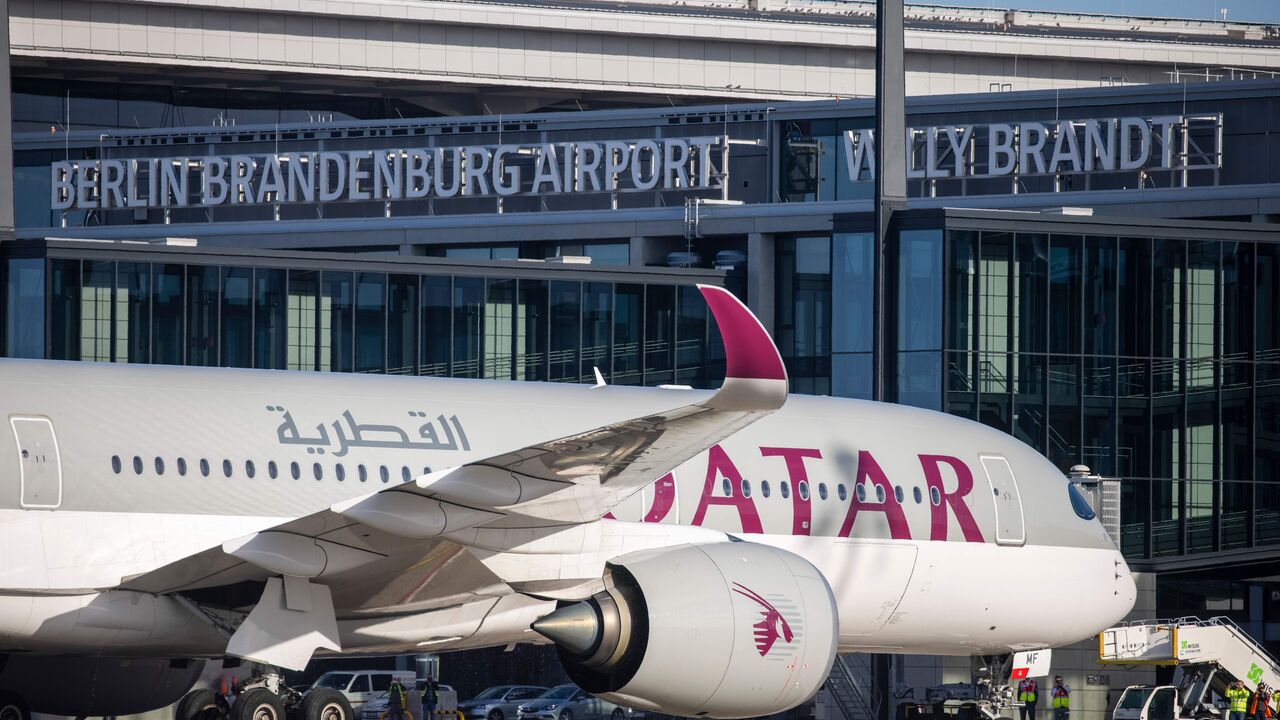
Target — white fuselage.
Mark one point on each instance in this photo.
(906, 512)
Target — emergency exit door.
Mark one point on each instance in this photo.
(1010, 527)
(39, 467)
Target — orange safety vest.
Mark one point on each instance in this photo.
(1266, 706)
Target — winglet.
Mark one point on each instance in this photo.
(755, 377)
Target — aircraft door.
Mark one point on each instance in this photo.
(39, 466)
(1010, 525)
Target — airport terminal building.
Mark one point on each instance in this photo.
(1095, 270)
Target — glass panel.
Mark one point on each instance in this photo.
(337, 303)
(1201, 470)
(1031, 306)
(402, 338)
(1236, 462)
(64, 309)
(1099, 296)
(920, 379)
(565, 319)
(133, 328)
(1030, 424)
(437, 325)
(1064, 412)
(1267, 301)
(691, 337)
(1134, 296)
(851, 375)
(962, 285)
(1098, 416)
(1064, 294)
(371, 322)
(1169, 291)
(1135, 514)
(628, 334)
(303, 312)
(608, 253)
(804, 296)
(270, 320)
(659, 330)
(597, 328)
(24, 308)
(920, 291)
(237, 317)
(995, 297)
(468, 320)
(1133, 445)
(500, 329)
(1267, 449)
(1237, 300)
(166, 314)
(202, 315)
(1202, 306)
(531, 363)
(852, 292)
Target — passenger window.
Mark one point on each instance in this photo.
(226, 468)
(272, 470)
(746, 488)
(137, 465)
(404, 473)
(915, 492)
(364, 475)
(386, 475)
(249, 469)
(340, 472)
(822, 490)
(726, 486)
(764, 488)
(802, 488)
(897, 494)
(317, 470)
(426, 471)
(204, 467)
(860, 491)
(785, 489)
(840, 492)
(935, 496)
(159, 466)
(182, 467)
(115, 464)
(880, 494)
(295, 470)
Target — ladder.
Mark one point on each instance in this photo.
(1188, 643)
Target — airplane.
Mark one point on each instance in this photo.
(690, 552)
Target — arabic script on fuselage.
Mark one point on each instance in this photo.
(439, 434)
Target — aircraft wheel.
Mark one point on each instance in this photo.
(199, 704)
(258, 704)
(12, 708)
(325, 704)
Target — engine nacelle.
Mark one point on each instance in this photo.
(723, 630)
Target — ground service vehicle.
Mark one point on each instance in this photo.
(446, 703)
(499, 702)
(361, 686)
(1208, 655)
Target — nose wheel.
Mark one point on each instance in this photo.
(13, 708)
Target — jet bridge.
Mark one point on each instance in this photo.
(1208, 655)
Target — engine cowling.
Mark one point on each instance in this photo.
(723, 630)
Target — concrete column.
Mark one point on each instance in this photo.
(6, 131)
(761, 251)
(648, 251)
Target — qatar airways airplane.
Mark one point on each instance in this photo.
(695, 553)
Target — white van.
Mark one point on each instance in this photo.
(361, 686)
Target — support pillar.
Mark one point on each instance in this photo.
(761, 256)
(890, 171)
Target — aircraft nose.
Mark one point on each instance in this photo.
(1125, 591)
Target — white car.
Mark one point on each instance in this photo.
(361, 686)
(569, 702)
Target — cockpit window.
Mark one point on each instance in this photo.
(1079, 504)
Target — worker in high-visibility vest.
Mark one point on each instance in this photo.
(1260, 705)
(1060, 698)
(1237, 701)
(1028, 699)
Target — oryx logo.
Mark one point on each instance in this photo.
(772, 624)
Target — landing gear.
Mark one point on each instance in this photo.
(199, 704)
(325, 704)
(264, 696)
(12, 708)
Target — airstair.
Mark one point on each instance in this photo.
(1208, 654)
(852, 687)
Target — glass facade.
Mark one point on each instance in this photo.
(1152, 359)
(191, 311)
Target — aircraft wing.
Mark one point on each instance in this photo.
(381, 550)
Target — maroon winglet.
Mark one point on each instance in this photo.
(748, 349)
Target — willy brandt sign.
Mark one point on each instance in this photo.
(386, 174)
(1125, 144)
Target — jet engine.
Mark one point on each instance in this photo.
(722, 630)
